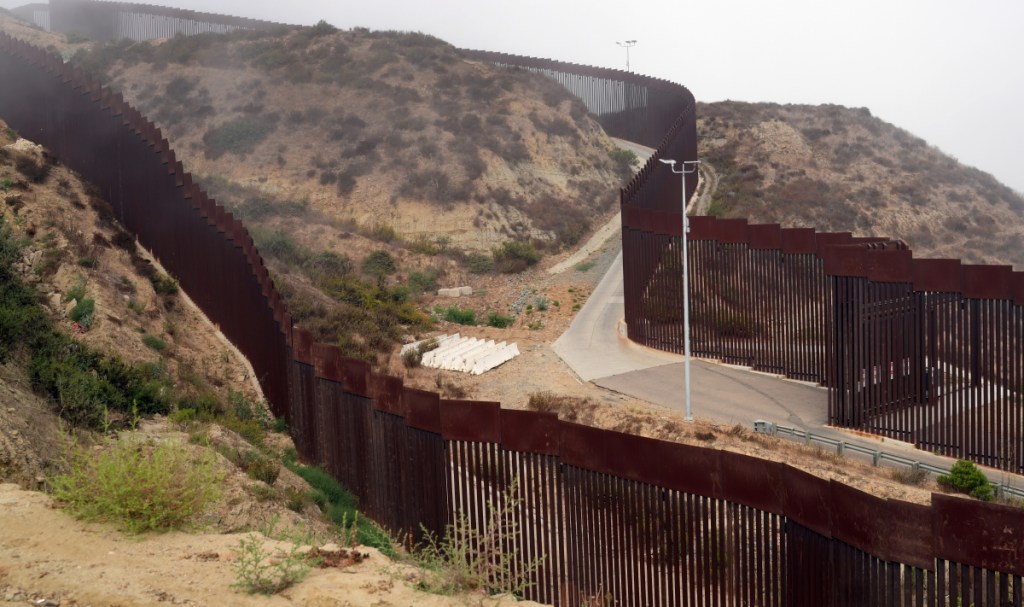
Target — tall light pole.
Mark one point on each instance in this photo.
(628, 44)
(689, 166)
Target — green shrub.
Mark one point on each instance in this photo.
(154, 342)
(83, 311)
(379, 264)
(423, 282)
(259, 467)
(163, 284)
(138, 486)
(239, 136)
(626, 162)
(460, 316)
(478, 263)
(499, 320)
(515, 256)
(966, 477)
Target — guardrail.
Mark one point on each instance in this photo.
(877, 455)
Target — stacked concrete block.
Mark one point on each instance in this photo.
(465, 354)
(455, 292)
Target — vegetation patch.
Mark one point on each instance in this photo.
(966, 477)
(239, 136)
(138, 486)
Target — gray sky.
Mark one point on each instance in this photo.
(949, 72)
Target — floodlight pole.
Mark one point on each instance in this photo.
(689, 166)
(628, 44)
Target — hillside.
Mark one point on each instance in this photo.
(104, 289)
(375, 128)
(842, 169)
(335, 145)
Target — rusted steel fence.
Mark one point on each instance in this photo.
(927, 351)
(612, 518)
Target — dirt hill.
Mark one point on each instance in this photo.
(842, 169)
(375, 128)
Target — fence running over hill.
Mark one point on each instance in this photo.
(110, 21)
(619, 518)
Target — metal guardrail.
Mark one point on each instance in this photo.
(877, 456)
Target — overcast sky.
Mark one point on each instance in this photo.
(949, 72)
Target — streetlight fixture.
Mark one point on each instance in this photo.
(689, 166)
(628, 44)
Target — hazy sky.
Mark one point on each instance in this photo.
(949, 72)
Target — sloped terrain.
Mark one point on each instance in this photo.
(100, 287)
(842, 169)
(377, 128)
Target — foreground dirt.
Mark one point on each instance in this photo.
(45, 555)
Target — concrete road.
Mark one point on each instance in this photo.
(597, 350)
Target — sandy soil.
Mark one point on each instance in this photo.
(45, 555)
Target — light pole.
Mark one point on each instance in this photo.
(689, 166)
(628, 44)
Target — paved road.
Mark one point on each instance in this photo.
(596, 348)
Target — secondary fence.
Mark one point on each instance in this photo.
(110, 21)
(617, 519)
(927, 351)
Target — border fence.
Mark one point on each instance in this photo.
(618, 519)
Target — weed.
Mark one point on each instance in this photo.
(568, 408)
(584, 266)
(542, 304)
(468, 558)
(259, 570)
(909, 476)
(137, 485)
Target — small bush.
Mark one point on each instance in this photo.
(154, 342)
(259, 570)
(909, 476)
(515, 256)
(478, 263)
(379, 264)
(138, 486)
(460, 316)
(966, 477)
(83, 311)
(239, 136)
(260, 468)
(499, 320)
